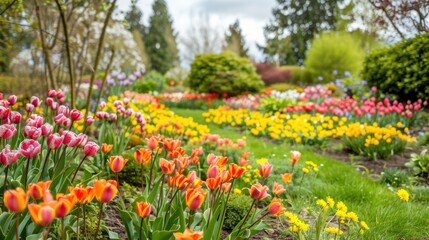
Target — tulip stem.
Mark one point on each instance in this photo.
(121, 198)
(257, 220)
(245, 218)
(141, 173)
(77, 223)
(151, 169)
(84, 221)
(191, 218)
(141, 226)
(5, 179)
(26, 174)
(17, 226)
(45, 233)
(168, 207)
(44, 164)
(161, 195)
(78, 167)
(62, 228)
(99, 221)
(224, 209)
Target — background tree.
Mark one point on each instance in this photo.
(234, 40)
(161, 40)
(300, 20)
(201, 37)
(134, 18)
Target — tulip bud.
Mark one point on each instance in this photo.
(29, 107)
(259, 192)
(117, 163)
(15, 200)
(35, 101)
(143, 209)
(49, 101)
(89, 120)
(76, 115)
(52, 93)
(60, 94)
(90, 149)
(106, 148)
(265, 170)
(12, 100)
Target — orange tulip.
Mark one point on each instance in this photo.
(43, 213)
(64, 204)
(195, 198)
(211, 159)
(213, 171)
(167, 167)
(257, 191)
(221, 161)
(84, 195)
(265, 170)
(171, 144)
(235, 170)
(276, 207)
(15, 200)
(182, 162)
(152, 143)
(106, 148)
(177, 152)
(287, 177)
(143, 209)
(226, 186)
(213, 183)
(243, 161)
(278, 188)
(295, 156)
(36, 191)
(117, 163)
(143, 156)
(226, 176)
(180, 181)
(245, 155)
(105, 190)
(188, 235)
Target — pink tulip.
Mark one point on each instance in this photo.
(15, 117)
(32, 132)
(61, 119)
(35, 101)
(8, 156)
(4, 112)
(49, 101)
(90, 148)
(60, 94)
(70, 139)
(52, 93)
(89, 120)
(12, 99)
(29, 148)
(82, 139)
(64, 110)
(35, 121)
(7, 131)
(76, 115)
(46, 129)
(54, 141)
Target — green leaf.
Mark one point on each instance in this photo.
(164, 234)
(128, 222)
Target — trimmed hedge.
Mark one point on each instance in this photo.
(401, 70)
(284, 74)
(223, 73)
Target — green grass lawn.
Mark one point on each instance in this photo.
(386, 215)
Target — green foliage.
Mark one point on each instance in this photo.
(402, 69)
(299, 75)
(21, 86)
(334, 51)
(419, 164)
(160, 39)
(234, 40)
(153, 81)
(281, 87)
(395, 177)
(236, 210)
(223, 73)
(272, 104)
(302, 19)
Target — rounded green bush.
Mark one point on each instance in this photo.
(334, 52)
(236, 210)
(401, 70)
(223, 73)
(152, 81)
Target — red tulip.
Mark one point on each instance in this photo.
(117, 163)
(15, 117)
(257, 191)
(76, 115)
(276, 207)
(143, 209)
(235, 170)
(265, 170)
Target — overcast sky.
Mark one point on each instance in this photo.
(253, 16)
